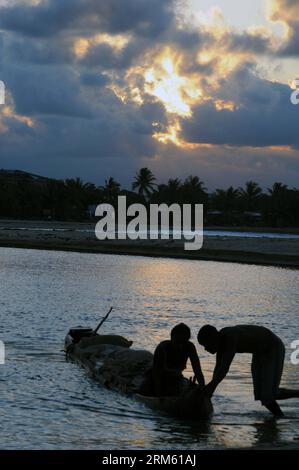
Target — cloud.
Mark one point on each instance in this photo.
(262, 114)
(92, 79)
(45, 19)
(247, 42)
(287, 12)
(45, 90)
(60, 128)
(89, 87)
(38, 51)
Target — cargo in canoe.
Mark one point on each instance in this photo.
(110, 360)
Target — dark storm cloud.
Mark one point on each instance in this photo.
(78, 119)
(143, 17)
(246, 42)
(105, 56)
(1, 50)
(287, 11)
(75, 114)
(186, 42)
(101, 55)
(41, 51)
(75, 117)
(124, 131)
(188, 39)
(93, 79)
(291, 49)
(45, 33)
(264, 115)
(45, 90)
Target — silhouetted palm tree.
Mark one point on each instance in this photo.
(279, 208)
(174, 185)
(226, 199)
(251, 195)
(110, 190)
(54, 198)
(77, 196)
(76, 184)
(193, 190)
(169, 193)
(278, 189)
(144, 182)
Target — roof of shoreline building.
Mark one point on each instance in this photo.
(14, 176)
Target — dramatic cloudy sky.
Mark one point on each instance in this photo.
(103, 87)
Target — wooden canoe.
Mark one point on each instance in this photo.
(111, 361)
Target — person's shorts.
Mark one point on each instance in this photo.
(266, 371)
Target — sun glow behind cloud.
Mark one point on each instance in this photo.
(82, 45)
(173, 76)
(175, 91)
(8, 112)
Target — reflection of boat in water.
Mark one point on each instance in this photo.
(109, 360)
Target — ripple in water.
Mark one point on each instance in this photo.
(49, 403)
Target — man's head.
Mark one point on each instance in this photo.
(180, 334)
(208, 337)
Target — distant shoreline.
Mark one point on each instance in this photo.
(69, 236)
(91, 224)
(204, 255)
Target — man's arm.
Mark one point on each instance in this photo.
(159, 366)
(193, 356)
(223, 363)
(159, 360)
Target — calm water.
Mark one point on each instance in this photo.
(48, 403)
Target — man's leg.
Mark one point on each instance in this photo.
(274, 408)
(266, 372)
(285, 394)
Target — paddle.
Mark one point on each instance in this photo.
(103, 320)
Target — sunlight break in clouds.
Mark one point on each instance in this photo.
(164, 81)
(82, 45)
(120, 84)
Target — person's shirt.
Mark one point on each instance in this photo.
(252, 339)
(172, 356)
(241, 339)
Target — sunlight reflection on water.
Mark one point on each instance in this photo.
(47, 402)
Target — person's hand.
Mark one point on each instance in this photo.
(192, 380)
(201, 387)
(209, 389)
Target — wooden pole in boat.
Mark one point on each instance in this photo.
(103, 319)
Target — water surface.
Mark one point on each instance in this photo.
(49, 403)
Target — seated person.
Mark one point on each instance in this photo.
(170, 359)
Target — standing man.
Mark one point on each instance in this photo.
(267, 351)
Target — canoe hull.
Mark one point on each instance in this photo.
(110, 361)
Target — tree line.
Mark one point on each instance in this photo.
(74, 199)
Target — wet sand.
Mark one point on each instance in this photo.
(77, 236)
